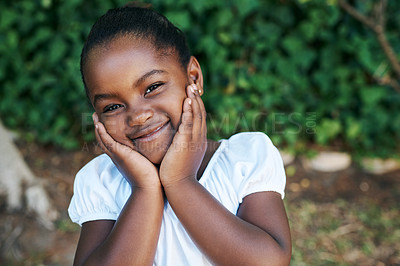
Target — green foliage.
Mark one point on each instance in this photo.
(301, 71)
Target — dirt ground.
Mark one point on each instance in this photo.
(24, 241)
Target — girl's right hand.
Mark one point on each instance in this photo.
(136, 168)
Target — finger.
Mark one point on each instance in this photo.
(98, 138)
(95, 122)
(203, 113)
(109, 143)
(197, 114)
(186, 126)
(95, 118)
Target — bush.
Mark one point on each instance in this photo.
(302, 71)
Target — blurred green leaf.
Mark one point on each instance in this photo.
(180, 19)
(327, 130)
(372, 95)
(7, 18)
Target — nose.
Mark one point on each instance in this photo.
(139, 117)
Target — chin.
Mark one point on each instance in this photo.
(155, 157)
(154, 151)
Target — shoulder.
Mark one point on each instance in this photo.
(256, 164)
(99, 191)
(98, 164)
(95, 171)
(250, 146)
(243, 136)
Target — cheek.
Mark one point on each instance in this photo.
(176, 110)
(115, 127)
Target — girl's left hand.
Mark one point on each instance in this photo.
(189, 145)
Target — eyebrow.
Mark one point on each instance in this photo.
(99, 97)
(149, 74)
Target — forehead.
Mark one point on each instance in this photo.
(124, 59)
(136, 49)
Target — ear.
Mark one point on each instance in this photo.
(195, 76)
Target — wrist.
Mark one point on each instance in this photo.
(148, 194)
(154, 188)
(147, 182)
(150, 189)
(167, 184)
(149, 197)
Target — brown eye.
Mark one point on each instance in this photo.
(153, 87)
(112, 107)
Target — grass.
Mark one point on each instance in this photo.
(344, 233)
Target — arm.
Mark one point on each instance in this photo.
(132, 239)
(259, 234)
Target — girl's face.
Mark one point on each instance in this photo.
(138, 93)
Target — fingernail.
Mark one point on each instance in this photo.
(95, 117)
(192, 88)
(190, 101)
(96, 126)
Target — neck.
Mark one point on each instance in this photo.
(212, 146)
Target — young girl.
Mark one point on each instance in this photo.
(162, 193)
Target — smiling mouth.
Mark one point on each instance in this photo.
(152, 134)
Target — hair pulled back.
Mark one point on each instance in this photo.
(138, 23)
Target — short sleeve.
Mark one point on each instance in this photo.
(259, 167)
(95, 192)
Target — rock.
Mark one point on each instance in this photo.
(379, 166)
(17, 180)
(328, 162)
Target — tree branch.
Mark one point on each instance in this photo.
(378, 27)
(388, 81)
(380, 13)
(357, 15)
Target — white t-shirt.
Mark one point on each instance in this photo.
(243, 164)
